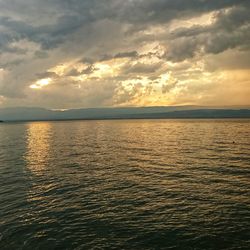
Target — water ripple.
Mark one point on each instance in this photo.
(148, 184)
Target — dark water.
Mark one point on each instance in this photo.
(146, 184)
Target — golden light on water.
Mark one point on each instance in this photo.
(38, 146)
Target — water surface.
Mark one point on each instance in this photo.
(130, 184)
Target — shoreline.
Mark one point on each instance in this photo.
(122, 119)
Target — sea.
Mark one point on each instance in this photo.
(125, 184)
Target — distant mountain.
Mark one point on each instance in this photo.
(34, 114)
(24, 113)
(200, 114)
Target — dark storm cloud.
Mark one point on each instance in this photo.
(87, 71)
(183, 48)
(162, 11)
(129, 54)
(70, 16)
(231, 29)
(75, 14)
(48, 36)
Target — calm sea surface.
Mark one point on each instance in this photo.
(130, 184)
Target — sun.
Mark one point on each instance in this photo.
(41, 83)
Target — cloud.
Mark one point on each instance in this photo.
(86, 71)
(129, 54)
(115, 52)
(141, 68)
(228, 60)
(47, 74)
(230, 29)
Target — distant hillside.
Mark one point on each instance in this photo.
(200, 113)
(23, 113)
(33, 114)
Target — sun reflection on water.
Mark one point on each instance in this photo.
(38, 146)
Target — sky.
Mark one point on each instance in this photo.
(62, 54)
